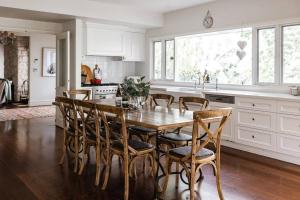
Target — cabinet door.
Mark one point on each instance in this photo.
(256, 119)
(256, 138)
(288, 145)
(135, 47)
(228, 130)
(105, 42)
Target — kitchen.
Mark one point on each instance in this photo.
(238, 58)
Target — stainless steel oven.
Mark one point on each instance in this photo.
(105, 91)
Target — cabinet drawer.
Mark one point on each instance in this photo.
(256, 138)
(256, 104)
(288, 107)
(256, 119)
(288, 145)
(289, 124)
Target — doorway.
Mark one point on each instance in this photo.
(14, 73)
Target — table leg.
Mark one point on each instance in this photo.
(156, 195)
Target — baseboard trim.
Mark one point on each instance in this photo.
(40, 103)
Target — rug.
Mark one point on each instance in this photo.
(27, 113)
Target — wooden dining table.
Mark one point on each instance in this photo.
(157, 118)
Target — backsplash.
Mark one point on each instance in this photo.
(113, 69)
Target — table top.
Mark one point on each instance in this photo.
(155, 117)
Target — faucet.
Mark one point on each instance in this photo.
(217, 86)
(206, 79)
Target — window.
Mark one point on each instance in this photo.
(266, 55)
(170, 59)
(216, 53)
(276, 57)
(157, 60)
(291, 54)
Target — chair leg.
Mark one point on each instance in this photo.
(166, 180)
(126, 179)
(107, 171)
(98, 160)
(218, 180)
(177, 175)
(76, 154)
(152, 163)
(84, 159)
(192, 181)
(64, 150)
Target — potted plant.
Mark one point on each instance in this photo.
(137, 91)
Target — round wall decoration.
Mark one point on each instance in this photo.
(208, 21)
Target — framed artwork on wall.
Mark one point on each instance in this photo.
(49, 62)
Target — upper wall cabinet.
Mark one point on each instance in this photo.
(134, 47)
(103, 40)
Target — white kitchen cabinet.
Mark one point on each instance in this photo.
(134, 47)
(256, 138)
(288, 145)
(289, 124)
(256, 119)
(256, 104)
(288, 107)
(104, 42)
(228, 130)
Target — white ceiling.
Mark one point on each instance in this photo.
(160, 6)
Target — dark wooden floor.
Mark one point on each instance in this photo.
(30, 150)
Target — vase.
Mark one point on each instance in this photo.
(137, 102)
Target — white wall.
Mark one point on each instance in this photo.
(1, 61)
(227, 14)
(42, 89)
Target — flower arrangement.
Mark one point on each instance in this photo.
(132, 88)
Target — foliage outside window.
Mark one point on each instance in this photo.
(291, 54)
(216, 53)
(266, 55)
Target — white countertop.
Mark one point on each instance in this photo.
(241, 93)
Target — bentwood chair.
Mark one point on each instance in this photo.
(179, 138)
(70, 128)
(92, 134)
(77, 94)
(193, 157)
(146, 134)
(127, 149)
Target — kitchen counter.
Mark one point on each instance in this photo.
(241, 93)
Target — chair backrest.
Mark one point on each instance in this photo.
(202, 119)
(78, 94)
(169, 99)
(67, 108)
(186, 102)
(88, 118)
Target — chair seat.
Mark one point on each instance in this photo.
(142, 130)
(135, 144)
(181, 152)
(181, 137)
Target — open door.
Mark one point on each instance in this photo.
(62, 69)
